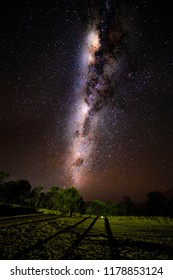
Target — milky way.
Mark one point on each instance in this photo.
(86, 95)
(102, 50)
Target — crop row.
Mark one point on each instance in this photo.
(88, 238)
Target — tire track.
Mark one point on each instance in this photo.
(22, 217)
(24, 252)
(70, 251)
(113, 244)
(27, 220)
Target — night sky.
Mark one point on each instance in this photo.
(86, 95)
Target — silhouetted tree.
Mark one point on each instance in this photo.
(54, 197)
(66, 201)
(15, 191)
(34, 197)
(97, 208)
(114, 209)
(157, 204)
(3, 175)
(127, 207)
(171, 207)
(72, 201)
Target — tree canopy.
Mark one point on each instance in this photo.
(68, 201)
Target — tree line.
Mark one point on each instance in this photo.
(68, 201)
(65, 200)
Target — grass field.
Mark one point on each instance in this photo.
(55, 237)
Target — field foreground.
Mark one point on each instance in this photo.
(52, 237)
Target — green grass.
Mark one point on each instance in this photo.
(47, 211)
(143, 237)
(135, 238)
